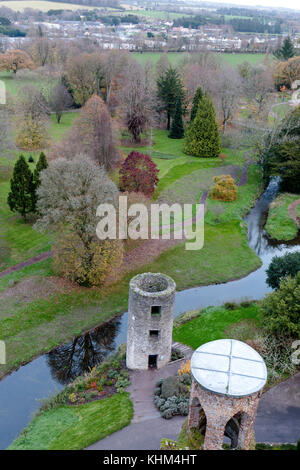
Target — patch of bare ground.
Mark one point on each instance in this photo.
(27, 290)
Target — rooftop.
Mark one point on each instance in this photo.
(229, 367)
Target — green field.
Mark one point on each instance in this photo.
(75, 427)
(234, 59)
(216, 323)
(31, 326)
(43, 5)
(280, 224)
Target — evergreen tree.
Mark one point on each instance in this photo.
(202, 136)
(41, 165)
(286, 51)
(177, 129)
(169, 87)
(197, 97)
(21, 197)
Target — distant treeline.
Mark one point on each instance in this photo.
(116, 20)
(7, 30)
(236, 11)
(255, 25)
(195, 21)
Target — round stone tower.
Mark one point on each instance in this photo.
(228, 378)
(150, 321)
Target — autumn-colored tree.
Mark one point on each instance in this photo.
(87, 265)
(224, 188)
(287, 72)
(85, 76)
(91, 134)
(68, 197)
(94, 129)
(31, 135)
(14, 60)
(31, 111)
(138, 173)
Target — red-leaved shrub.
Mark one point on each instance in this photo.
(138, 173)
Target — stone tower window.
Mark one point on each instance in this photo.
(155, 311)
(154, 333)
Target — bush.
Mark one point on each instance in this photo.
(281, 267)
(281, 309)
(224, 189)
(171, 396)
(138, 173)
(172, 386)
(88, 265)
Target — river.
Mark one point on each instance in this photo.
(21, 392)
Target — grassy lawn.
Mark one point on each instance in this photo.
(76, 427)
(30, 328)
(14, 84)
(35, 325)
(220, 212)
(280, 225)
(216, 323)
(233, 59)
(42, 5)
(58, 131)
(18, 240)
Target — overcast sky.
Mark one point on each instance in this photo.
(295, 4)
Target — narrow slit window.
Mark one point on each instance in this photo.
(155, 310)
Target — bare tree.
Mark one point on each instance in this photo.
(258, 83)
(60, 100)
(137, 98)
(228, 92)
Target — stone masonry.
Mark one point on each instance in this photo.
(219, 409)
(150, 320)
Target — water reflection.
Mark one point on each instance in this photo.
(84, 352)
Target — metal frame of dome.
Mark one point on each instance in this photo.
(229, 367)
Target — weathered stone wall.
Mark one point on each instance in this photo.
(219, 409)
(147, 290)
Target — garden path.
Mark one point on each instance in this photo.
(292, 211)
(278, 417)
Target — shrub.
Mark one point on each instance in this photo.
(32, 135)
(281, 309)
(281, 267)
(224, 189)
(172, 386)
(230, 305)
(138, 173)
(185, 368)
(88, 265)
